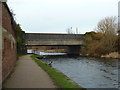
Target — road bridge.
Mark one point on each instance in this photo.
(73, 41)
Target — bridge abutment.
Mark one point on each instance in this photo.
(74, 50)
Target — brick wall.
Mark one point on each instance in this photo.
(9, 42)
(7, 21)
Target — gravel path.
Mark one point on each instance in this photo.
(27, 74)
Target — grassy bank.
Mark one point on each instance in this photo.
(112, 55)
(61, 80)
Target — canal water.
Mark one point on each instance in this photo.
(88, 72)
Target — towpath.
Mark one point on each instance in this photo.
(27, 74)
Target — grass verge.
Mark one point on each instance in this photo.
(61, 80)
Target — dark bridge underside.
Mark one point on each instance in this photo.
(53, 45)
(71, 49)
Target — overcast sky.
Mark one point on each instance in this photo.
(55, 16)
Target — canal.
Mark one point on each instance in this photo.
(88, 72)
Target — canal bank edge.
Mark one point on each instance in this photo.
(59, 78)
(113, 55)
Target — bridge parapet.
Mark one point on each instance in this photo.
(53, 36)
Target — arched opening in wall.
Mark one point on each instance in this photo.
(6, 47)
(7, 56)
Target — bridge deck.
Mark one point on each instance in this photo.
(53, 39)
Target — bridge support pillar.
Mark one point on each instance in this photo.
(74, 50)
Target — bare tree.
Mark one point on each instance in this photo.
(108, 27)
(69, 31)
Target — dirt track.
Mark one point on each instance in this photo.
(27, 74)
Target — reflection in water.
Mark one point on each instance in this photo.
(87, 72)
